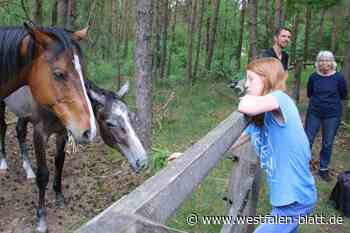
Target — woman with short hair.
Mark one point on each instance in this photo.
(326, 88)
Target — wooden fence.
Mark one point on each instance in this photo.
(148, 207)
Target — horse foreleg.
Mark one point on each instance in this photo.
(61, 140)
(21, 129)
(42, 176)
(3, 163)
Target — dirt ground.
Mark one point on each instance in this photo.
(91, 182)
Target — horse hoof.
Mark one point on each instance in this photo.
(28, 169)
(3, 166)
(30, 175)
(42, 227)
(60, 200)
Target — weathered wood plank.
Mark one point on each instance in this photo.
(161, 195)
(120, 223)
(243, 191)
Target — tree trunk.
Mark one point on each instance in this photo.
(253, 10)
(285, 13)
(92, 22)
(224, 37)
(199, 38)
(207, 37)
(38, 12)
(240, 37)
(320, 31)
(118, 41)
(126, 29)
(62, 13)
(192, 5)
(267, 23)
(114, 19)
(293, 48)
(156, 48)
(307, 32)
(173, 35)
(163, 54)
(347, 73)
(71, 17)
(278, 14)
(334, 34)
(143, 70)
(54, 13)
(213, 35)
(297, 79)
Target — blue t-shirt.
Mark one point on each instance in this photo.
(284, 152)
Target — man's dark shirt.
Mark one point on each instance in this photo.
(270, 52)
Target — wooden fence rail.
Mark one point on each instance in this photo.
(149, 206)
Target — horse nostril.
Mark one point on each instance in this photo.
(141, 164)
(138, 163)
(87, 134)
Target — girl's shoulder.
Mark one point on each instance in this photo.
(279, 94)
(282, 97)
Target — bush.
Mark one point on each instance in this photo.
(159, 159)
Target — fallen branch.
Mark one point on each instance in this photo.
(161, 111)
(110, 176)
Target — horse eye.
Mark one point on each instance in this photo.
(110, 124)
(58, 75)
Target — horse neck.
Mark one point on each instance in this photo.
(14, 63)
(8, 87)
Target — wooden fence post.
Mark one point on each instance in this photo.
(243, 190)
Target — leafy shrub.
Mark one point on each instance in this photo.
(159, 159)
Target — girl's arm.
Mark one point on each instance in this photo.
(254, 105)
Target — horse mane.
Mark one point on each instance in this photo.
(11, 61)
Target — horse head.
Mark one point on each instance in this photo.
(116, 130)
(238, 86)
(56, 80)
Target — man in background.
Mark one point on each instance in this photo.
(281, 40)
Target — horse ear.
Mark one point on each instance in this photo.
(80, 35)
(95, 96)
(123, 90)
(42, 38)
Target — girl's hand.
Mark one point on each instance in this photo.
(174, 156)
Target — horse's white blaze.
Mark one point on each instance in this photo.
(92, 116)
(135, 144)
(3, 164)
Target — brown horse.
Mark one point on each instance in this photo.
(48, 61)
(44, 59)
(113, 119)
